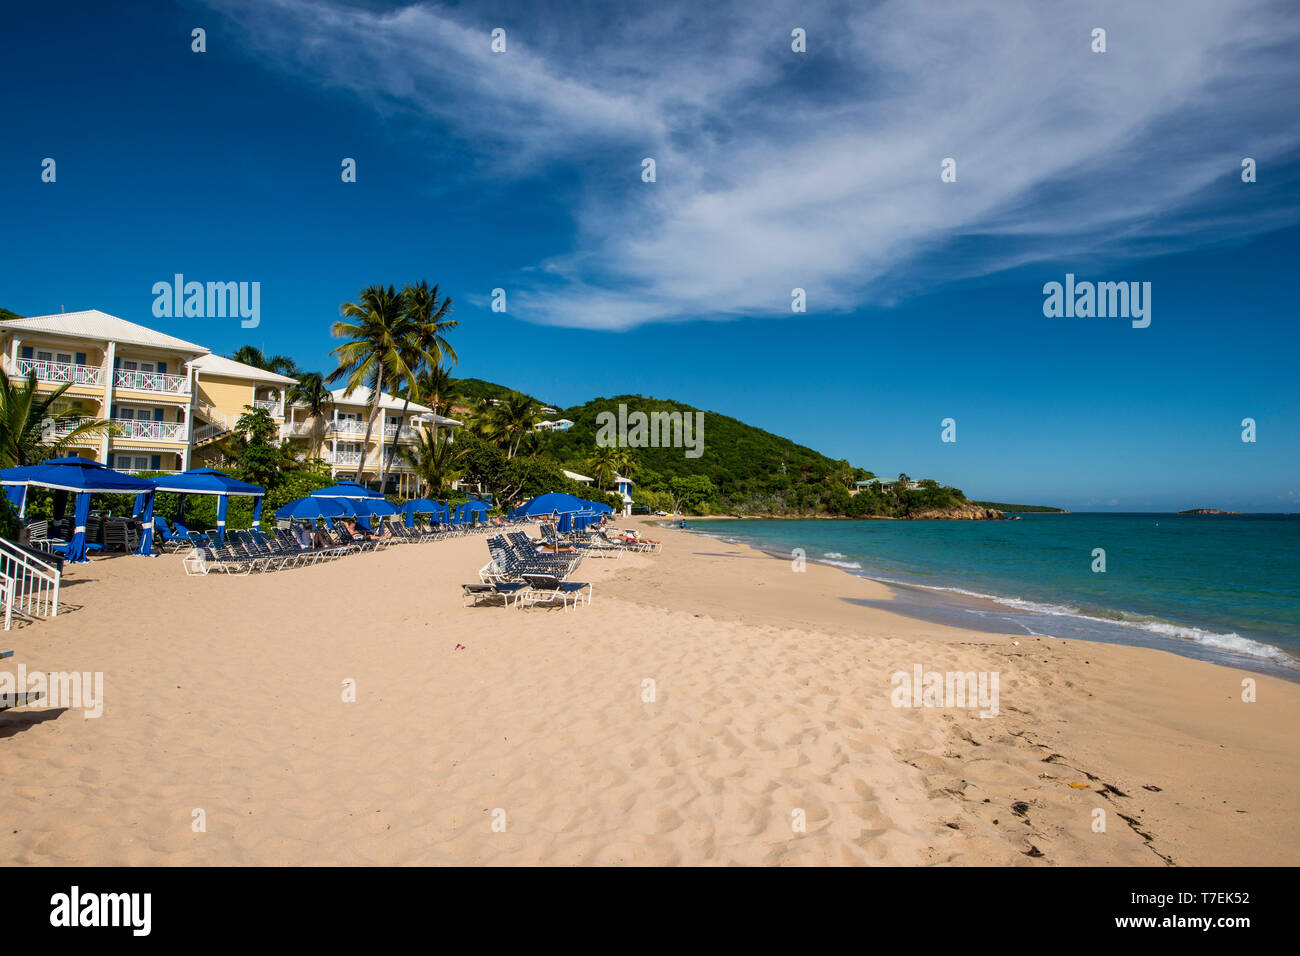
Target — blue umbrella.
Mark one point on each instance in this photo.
(368, 508)
(309, 509)
(552, 503)
(423, 506)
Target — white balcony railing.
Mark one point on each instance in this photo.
(150, 431)
(347, 426)
(65, 428)
(275, 408)
(60, 372)
(151, 381)
(343, 457)
(408, 433)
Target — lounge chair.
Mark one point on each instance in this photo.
(507, 591)
(547, 588)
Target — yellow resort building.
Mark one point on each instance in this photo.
(173, 400)
(342, 438)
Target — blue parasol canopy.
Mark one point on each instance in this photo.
(309, 509)
(552, 503)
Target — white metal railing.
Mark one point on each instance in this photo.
(347, 426)
(408, 433)
(151, 381)
(28, 585)
(344, 457)
(150, 431)
(66, 427)
(62, 372)
(204, 432)
(274, 408)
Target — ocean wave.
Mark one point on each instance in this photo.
(1229, 641)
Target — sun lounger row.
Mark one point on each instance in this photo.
(518, 576)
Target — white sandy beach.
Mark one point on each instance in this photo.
(772, 695)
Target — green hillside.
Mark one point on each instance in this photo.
(474, 390)
(743, 469)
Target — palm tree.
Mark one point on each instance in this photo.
(439, 391)
(425, 348)
(435, 462)
(376, 332)
(30, 423)
(514, 416)
(311, 393)
(483, 421)
(605, 464)
(252, 355)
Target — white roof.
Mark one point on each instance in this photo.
(361, 396)
(220, 365)
(577, 477)
(438, 419)
(618, 478)
(93, 324)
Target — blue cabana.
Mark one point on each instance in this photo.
(309, 509)
(208, 481)
(15, 482)
(84, 478)
(346, 489)
(554, 502)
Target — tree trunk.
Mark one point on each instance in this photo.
(375, 402)
(389, 451)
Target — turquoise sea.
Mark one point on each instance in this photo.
(1224, 588)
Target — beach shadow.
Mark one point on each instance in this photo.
(940, 610)
(12, 724)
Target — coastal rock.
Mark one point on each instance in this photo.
(966, 512)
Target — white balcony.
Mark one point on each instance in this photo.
(275, 408)
(150, 431)
(59, 372)
(65, 428)
(151, 381)
(343, 457)
(408, 433)
(347, 426)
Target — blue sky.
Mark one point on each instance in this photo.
(775, 170)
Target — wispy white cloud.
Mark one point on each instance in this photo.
(821, 170)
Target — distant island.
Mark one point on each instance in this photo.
(1209, 511)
